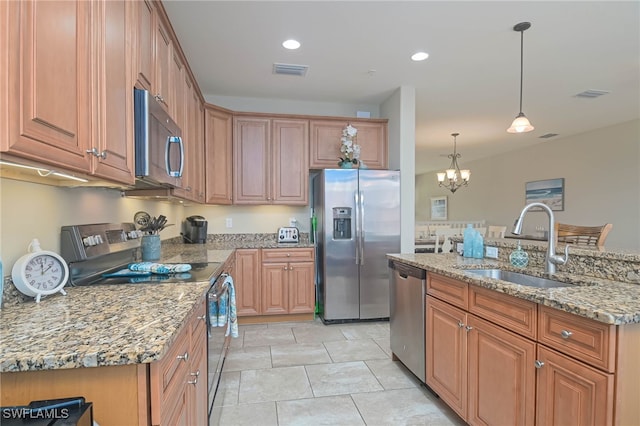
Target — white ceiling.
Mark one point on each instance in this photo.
(469, 84)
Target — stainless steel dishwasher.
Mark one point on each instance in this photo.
(407, 287)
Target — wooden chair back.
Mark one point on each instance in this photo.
(496, 231)
(582, 235)
(443, 243)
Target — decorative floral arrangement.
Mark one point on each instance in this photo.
(350, 149)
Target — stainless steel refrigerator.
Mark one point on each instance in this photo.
(358, 220)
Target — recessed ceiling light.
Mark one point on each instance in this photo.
(419, 56)
(291, 44)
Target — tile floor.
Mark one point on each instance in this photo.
(307, 373)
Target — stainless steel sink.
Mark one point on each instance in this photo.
(517, 278)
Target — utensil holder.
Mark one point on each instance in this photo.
(150, 247)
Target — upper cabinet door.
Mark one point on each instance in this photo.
(251, 160)
(144, 32)
(219, 155)
(50, 82)
(290, 150)
(113, 104)
(163, 60)
(326, 136)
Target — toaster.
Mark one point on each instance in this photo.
(288, 234)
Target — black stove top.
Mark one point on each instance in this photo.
(199, 272)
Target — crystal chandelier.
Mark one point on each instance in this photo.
(453, 178)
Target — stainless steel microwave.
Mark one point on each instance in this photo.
(159, 150)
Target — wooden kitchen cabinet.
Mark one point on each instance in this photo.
(156, 393)
(502, 377)
(527, 363)
(571, 392)
(49, 83)
(483, 372)
(70, 107)
(163, 63)
(446, 353)
(219, 155)
(326, 136)
(144, 44)
(270, 161)
(247, 282)
(113, 106)
(287, 281)
(178, 382)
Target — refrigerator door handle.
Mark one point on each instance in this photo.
(361, 239)
(357, 225)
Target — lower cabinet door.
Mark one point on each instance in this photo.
(302, 297)
(274, 288)
(446, 353)
(502, 375)
(572, 393)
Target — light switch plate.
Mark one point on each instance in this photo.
(491, 252)
(229, 222)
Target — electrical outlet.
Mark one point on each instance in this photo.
(293, 221)
(229, 222)
(491, 252)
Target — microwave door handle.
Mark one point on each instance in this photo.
(170, 140)
(181, 142)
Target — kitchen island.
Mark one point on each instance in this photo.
(503, 353)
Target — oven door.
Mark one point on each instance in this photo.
(218, 343)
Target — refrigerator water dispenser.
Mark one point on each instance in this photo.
(342, 223)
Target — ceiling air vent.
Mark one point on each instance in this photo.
(290, 69)
(548, 135)
(591, 93)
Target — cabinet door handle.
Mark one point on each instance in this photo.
(460, 324)
(184, 357)
(285, 268)
(565, 334)
(539, 364)
(203, 318)
(288, 254)
(468, 328)
(194, 381)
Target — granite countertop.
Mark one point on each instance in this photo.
(103, 325)
(97, 326)
(607, 301)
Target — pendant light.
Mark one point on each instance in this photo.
(521, 123)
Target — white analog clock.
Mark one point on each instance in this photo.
(40, 272)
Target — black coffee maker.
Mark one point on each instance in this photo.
(195, 230)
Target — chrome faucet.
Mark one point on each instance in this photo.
(552, 259)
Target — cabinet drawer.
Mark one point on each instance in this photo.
(168, 375)
(199, 322)
(587, 340)
(287, 255)
(448, 289)
(517, 315)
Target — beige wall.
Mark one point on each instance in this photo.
(602, 184)
(31, 210)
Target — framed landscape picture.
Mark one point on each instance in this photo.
(439, 208)
(549, 192)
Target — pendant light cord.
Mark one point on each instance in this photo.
(521, 65)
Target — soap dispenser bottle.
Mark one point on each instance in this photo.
(519, 258)
(467, 241)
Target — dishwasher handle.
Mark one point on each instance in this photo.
(406, 271)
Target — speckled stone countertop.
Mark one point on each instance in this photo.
(608, 301)
(97, 326)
